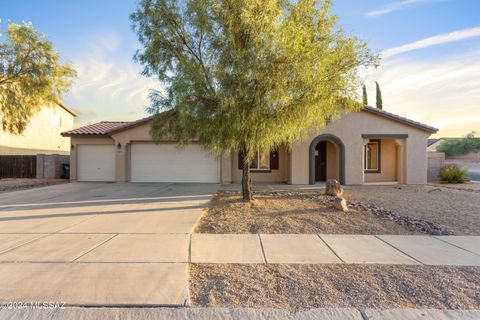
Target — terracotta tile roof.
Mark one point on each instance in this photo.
(131, 124)
(110, 127)
(100, 128)
(403, 120)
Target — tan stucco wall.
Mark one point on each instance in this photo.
(272, 176)
(76, 141)
(123, 141)
(41, 136)
(409, 165)
(349, 129)
(388, 163)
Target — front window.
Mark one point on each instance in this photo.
(372, 156)
(261, 161)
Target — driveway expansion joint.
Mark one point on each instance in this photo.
(95, 247)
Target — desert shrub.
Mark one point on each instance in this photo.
(452, 173)
(458, 146)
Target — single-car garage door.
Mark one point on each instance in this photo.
(96, 163)
(168, 163)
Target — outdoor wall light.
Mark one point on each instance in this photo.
(119, 146)
(72, 147)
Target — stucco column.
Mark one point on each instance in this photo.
(73, 162)
(399, 143)
(364, 145)
(121, 160)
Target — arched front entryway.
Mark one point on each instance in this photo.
(324, 150)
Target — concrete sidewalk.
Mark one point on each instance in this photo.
(313, 248)
(231, 314)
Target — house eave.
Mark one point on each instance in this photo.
(400, 119)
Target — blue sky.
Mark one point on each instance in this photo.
(430, 69)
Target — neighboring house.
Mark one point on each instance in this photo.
(42, 134)
(366, 146)
(434, 143)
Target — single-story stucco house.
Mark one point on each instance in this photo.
(366, 146)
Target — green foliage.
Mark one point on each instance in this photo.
(459, 146)
(246, 74)
(31, 76)
(364, 95)
(452, 174)
(378, 96)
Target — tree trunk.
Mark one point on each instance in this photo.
(246, 181)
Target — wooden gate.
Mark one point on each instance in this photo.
(18, 167)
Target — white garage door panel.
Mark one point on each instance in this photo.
(168, 163)
(96, 163)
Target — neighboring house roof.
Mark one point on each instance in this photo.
(100, 128)
(111, 127)
(432, 141)
(73, 113)
(397, 118)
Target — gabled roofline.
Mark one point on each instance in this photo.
(131, 125)
(400, 119)
(74, 132)
(73, 113)
(372, 110)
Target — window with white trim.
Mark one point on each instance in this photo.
(372, 156)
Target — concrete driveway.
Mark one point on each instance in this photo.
(99, 243)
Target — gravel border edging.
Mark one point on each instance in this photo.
(418, 224)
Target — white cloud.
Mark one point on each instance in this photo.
(397, 6)
(433, 41)
(444, 92)
(109, 84)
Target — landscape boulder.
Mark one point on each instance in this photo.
(341, 204)
(333, 188)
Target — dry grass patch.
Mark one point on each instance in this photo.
(301, 287)
(9, 185)
(290, 212)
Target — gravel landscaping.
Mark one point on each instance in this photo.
(297, 212)
(450, 206)
(301, 287)
(7, 185)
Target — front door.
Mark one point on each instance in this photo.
(321, 161)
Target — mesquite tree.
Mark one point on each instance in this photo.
(246, 75)
(31, 76)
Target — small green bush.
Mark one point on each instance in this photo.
(452, 173)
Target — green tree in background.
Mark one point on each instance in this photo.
(378, 96)
(364, 95)
(458, 146)
(246, 75)
(31, 76)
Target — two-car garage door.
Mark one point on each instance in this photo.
(149, 163)
(168, 163)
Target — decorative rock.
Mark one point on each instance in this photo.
(333, 188)
(341, 204)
